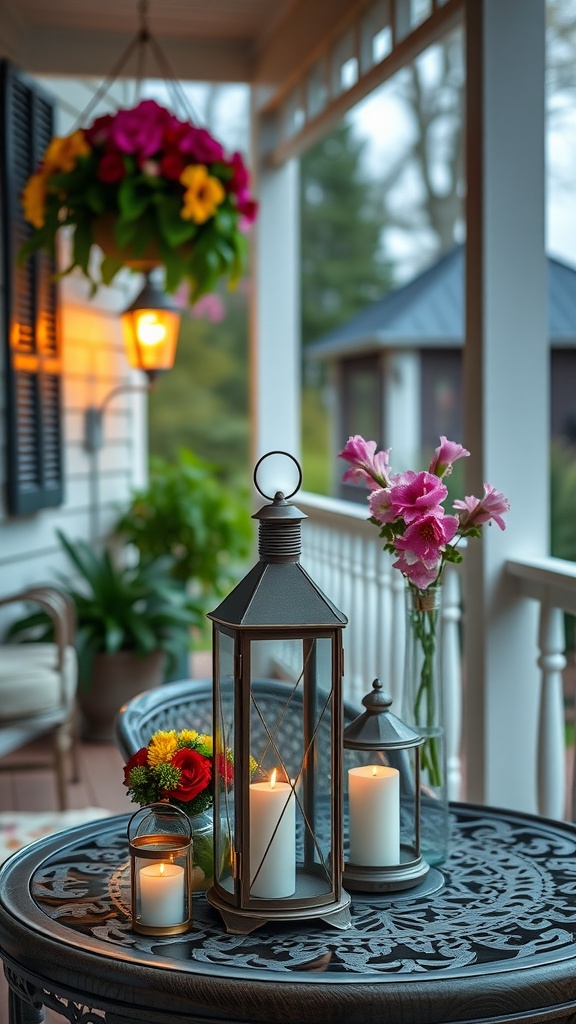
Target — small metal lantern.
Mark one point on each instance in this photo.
(160, 841)
(278, 707)
(383, 840)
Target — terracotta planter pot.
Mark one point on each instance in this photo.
(116, 678)
(103, 228)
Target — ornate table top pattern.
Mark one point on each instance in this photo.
(509, 895)
(497, 943)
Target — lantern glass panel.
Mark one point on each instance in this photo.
(294, 740)
(404, 761)
(224, 836)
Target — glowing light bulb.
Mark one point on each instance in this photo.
(150, 330)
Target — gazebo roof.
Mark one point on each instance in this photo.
(428, 312)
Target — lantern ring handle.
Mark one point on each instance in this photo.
(270, 497)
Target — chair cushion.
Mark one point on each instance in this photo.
(30, 679)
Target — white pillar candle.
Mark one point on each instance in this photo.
(374, 815)
(161, 895)
(272, 860)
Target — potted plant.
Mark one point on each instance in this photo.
(188, 512)
(149, 189)
(130, 620)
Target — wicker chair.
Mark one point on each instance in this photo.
(38, 688)
(188, 705)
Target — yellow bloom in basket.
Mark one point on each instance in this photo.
(34, 200)
(203, 193)
(63, 152)
(162, 747)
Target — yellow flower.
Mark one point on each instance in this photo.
(34, 200)
(207, 743)
(162, 747)
(203, 193)
(62, 153)
(187, 735)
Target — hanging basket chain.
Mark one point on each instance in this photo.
(138, 43)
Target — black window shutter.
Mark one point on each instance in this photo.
(33, 368)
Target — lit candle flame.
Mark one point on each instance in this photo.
(161, 869)
(273, 779)
(374, 770)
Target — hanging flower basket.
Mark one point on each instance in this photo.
(149, 190)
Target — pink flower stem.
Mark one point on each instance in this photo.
(423, 622)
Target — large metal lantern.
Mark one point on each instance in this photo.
(278, 711)
(383, 821)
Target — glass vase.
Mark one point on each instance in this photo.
(422, 708)
(202, 850)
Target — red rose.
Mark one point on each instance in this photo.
(196, 772)
(172, 165)
(111, 168)
(138, 760)
(225, 768)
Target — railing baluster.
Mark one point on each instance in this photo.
(551, 741)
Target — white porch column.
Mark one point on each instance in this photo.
(275, 334)
(506, 387)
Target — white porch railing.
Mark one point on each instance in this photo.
(343, 553)
(551, 582)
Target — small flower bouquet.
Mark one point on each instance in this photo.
(409, 511)
(408, 508)
(145, 186)
(178, 767)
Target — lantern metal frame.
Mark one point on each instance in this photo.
(277, 601)
(154, 847)
(378, 731)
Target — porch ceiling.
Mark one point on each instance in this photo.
(203, 39)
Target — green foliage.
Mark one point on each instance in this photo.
(341, 220)
(203, 404)
(563, 516)
(187, 511)
(122, 608)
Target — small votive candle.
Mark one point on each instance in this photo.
(162, 892)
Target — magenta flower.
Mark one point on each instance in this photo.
(476, 511)
(445, 455)
(413, 495)
(418, 572)
(199, 146)
(370, 466)
(427, 536)
(139, 132)
(240, 179)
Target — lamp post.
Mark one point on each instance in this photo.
(278, 816)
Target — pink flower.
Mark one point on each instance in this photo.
(413, 495)
(111, 168)
(420, 573)
(198, 144)
(140, 131)
(240, 179)
(370, 466)
(481, 510)
(447, 453)
(427, 536)
(248, 208)
(380, 501)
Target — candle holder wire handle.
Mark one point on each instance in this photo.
(160, 843)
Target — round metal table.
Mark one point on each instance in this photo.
(496, 943)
